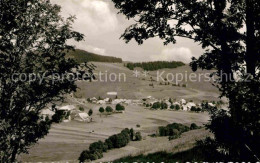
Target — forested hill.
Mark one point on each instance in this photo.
(83, 56)
(151, 66)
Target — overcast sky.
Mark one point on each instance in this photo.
(102, 26)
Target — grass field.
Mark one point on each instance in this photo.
(67, 140)
(191, 155)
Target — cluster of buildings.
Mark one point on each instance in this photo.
(184, 105)
(94, 100)
(71, 111)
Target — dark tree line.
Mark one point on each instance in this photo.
(152, 66)
(82, 56)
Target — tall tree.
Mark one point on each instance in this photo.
(228, 30)
(34, 70)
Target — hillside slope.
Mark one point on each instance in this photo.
(139, 87)
(82, 56)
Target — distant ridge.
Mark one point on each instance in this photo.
(156, 65)
(81, 56)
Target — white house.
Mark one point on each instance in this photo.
(211, 104)
(67, 110)
(118, 101)
(83, 117)
(47, 113)
(183, 102)
(149, 97)
(101, 102)
(176, 103)
(112, 93)
(93, 99)
(128, 102)
(106, 99)
(168, 104)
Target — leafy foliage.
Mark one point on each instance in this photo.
(173, 130)
(229, 31)
(96, 149)
(120, 107)
(101, 110)
(33, 42)
(109, 109)
(159, 105)
(90, 112)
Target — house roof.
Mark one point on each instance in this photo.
(67, 107)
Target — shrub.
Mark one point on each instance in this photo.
(172, 106)
(163, 131)
(164, 106)
(193, 126)
(58, 116)
(170, 100)
(156, 105)
(180, 127)
(88, 155)
(126, 134)
(98, 154)
(147, 105)
(101, 110)
(97, 146)
(90, 112)
(109, 109)
(115, 141)
(138, 125)
(120, 107)
(174, 133)
(195, 109)
(81, 108)
(174, 129)
(177, 107)
(132, 134)
(120, 141)
(138, 136)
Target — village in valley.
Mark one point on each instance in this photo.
(160, 117)
(77, 112)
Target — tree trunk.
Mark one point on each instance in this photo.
(14, 154)
(251, 53)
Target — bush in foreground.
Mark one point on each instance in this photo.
(174, 130)
(96, 149)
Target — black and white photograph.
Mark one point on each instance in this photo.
(129, 81)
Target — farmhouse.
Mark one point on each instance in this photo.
(93, 100)
(47, 113)
(101, 102)
(82, 117)
(66, 111)
(112, 93)
(183, 102)
(118, 101)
